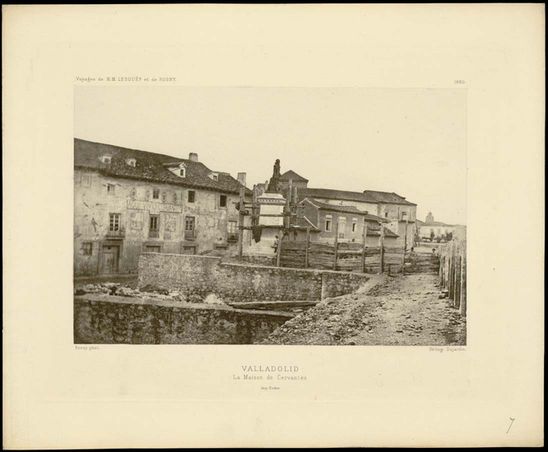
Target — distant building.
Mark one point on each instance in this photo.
(431, 230)
(128, 201)
(296, 180)
(398, 213)
(324, 220)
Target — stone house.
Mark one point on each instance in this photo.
(348, 222)
(398, 213)
(128, 201)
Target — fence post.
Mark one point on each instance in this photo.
(463, 285)
(279, 250)
(241, 222)
(364, 245)
(306, 250)
(336, 244)
(381, 242)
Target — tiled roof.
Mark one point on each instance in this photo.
(303, 222)
(292, 175)
(346, 209)
(374, 230)
(435, 223)
(343, 195)
(149, 166)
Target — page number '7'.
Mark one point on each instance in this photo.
(511, 422)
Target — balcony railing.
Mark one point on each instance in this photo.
(190, 235)
(121, 232)
(153, 234)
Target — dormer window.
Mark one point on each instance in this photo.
(214, 176)
(131, 162)
(106, 159)
(177, 168)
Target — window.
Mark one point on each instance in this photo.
(155, 193)
(354, 224)
(189, 228)
(232, 231)
(164, 196)
(87, 248)
(86, 180)
(110, 189)
(131, 162)
(222, 201)
(191, 196)
(214, 176)
(153, 226)
(182, 172)
(341, 227)
(328, 223)
(153, 222)
(114, 222)
(106, 159)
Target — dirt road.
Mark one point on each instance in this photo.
(401, 310)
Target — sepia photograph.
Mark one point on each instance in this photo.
(287, 216)
(280, 225)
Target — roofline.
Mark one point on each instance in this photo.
(315, 228)
(129, 149)
(103, 172)
(406, 203)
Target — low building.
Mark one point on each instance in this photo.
(437, 231)
(127, 201)
(346, 223)
(398, 213)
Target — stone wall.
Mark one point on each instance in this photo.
(241, 282)
(335, 284)
(200, 276)
(123, 320)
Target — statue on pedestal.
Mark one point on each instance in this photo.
(274, 183)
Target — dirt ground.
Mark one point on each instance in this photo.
(400, 310)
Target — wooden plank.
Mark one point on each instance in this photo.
(307, 248)
(364, 245)
(381, 246)
(241, 223)
(279, 249)
(336, 244)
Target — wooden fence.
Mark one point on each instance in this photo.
(349, 256)
(452, 273)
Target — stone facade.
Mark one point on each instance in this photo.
(135, 203)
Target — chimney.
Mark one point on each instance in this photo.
(193, 157)
(241, 178)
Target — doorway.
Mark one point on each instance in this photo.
(110, 257)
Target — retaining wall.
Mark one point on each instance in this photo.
(124, 320)
(200, 276)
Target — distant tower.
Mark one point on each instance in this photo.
(429, 218)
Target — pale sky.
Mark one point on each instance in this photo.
(408, 141)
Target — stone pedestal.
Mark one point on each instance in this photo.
(270, 204)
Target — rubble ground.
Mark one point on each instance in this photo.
(400, 310)
(150, 292)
